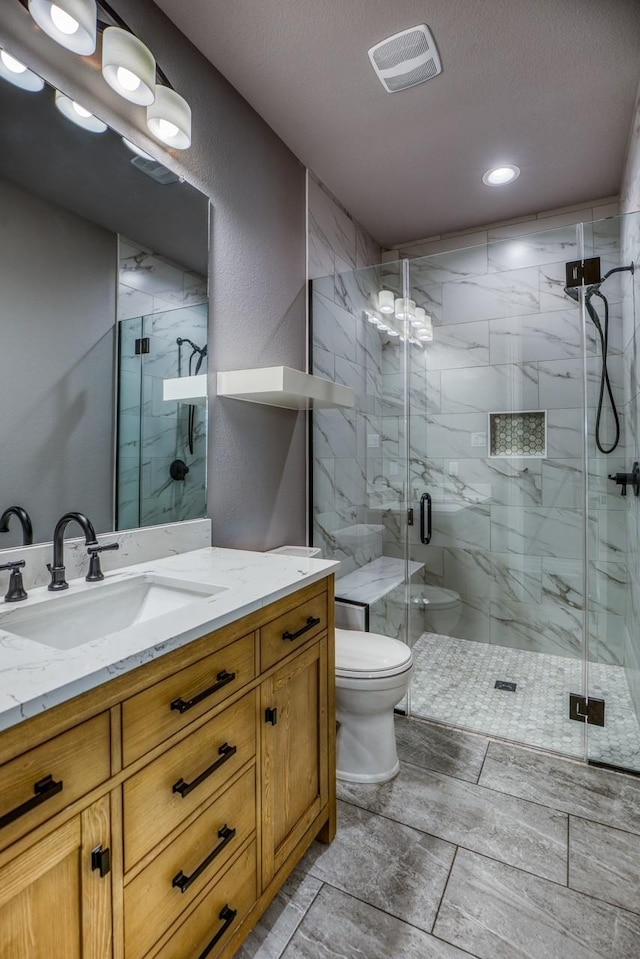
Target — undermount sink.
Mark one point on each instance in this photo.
(75, 619)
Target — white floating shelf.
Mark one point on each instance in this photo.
(284, 387)
(186, 389)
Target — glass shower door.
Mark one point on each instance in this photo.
(174, 434)
(162, 444)
(496, 482)
(358, 455)
(612, 449)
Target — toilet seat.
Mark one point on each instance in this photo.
(361, 655)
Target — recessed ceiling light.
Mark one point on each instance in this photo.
(501, 175)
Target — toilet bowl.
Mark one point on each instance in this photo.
(442, 609)
(373, 674)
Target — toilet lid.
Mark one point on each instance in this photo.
(439, 598)
(359, 654)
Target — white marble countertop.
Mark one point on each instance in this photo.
(34, 677)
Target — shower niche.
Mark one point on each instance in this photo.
(518, 434)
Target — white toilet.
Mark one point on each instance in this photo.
(373, 674)
(442, 609)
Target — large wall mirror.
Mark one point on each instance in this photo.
(103, 296)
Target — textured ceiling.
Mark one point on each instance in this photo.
(547, 84)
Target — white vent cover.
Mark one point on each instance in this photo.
(406, 59)
(155, 170)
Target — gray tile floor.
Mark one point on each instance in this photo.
(476, 849)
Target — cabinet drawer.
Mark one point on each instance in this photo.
(213, 922)
(286, 633)
(155, 714)
(38, 784)
(155, 898)
(161, 796)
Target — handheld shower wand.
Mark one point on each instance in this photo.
(603, 332)
(200, 352)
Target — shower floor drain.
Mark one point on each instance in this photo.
(503, 684)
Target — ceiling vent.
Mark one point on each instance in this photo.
(406, 59)
(155, 170)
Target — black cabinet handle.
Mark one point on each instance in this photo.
(223, 679)
(226, 752)
(44, 789)
(183, 882)
(425, 529)
(227, 915)
(271, 715)
(101, 860)
(311, 622)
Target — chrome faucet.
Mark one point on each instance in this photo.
(57, 569)
(23, 518)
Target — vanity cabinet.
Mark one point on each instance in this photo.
(192, 786)
(55, 898)
(294, 750)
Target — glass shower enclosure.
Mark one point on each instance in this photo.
(466, 496)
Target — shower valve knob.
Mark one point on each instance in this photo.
(628, 479)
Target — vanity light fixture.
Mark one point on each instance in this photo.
(128, 66)
(20, 76)
(169, 118)
(385, 301)
(71, 23)
(419, 318)
(404, 309)
(78, 114)
(501, 175)
(425, 335)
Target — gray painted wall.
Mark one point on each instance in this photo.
(56, 367)
(257, 461)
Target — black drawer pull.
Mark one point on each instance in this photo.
(226, 752)
(223, 679)
(311, 622)
(183, 882)
(44, 789)
(227, 915)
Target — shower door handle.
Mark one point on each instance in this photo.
(425, 522)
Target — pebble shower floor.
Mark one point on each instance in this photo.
(454, 682)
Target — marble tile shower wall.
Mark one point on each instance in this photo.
(149, 283)
(508, 532)
(161, 300)
(346, 450)
(337, 243)
(346, 456)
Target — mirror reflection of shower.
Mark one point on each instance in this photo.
(196, 351)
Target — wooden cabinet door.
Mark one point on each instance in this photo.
(53, 903)
(294, 754)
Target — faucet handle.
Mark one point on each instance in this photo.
(95, 574)
(16, 591)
